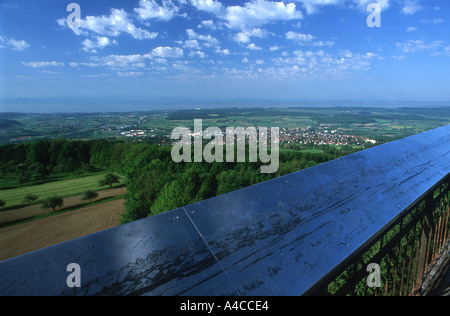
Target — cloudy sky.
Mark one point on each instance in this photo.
(126, 52)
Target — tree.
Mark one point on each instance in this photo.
(170, 197)
(110, 179)
(228, 181)
(30, 198)
(38, 153)
(2, 203)
(53, 202)
(89, 195)
(143, 190)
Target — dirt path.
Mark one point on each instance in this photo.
(26, 237)
(34, 210)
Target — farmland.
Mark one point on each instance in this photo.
(20, 239)
(372, 121)
(64, 188)
(35, 211)
(29, 228)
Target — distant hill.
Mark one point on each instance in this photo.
(5, 123)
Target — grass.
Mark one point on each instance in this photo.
(63, 188)
(9, 180)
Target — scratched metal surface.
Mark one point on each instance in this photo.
(275, 238)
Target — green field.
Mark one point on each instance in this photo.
(63, 188)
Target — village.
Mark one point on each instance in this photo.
(313, 136)
(304, 136)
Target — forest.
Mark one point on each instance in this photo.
(155, 183)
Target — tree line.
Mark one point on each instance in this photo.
(34, 162)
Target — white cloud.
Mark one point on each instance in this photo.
(17, 45)
(208, 24)
(150, 9)
(158, 61)
(224, 51)
(191, 44)
(447, 51)
(245, 60)
(370, 55)
(41, 64)
(13, 44)
(252, 46)
(259, 12)
(311, 6)
(197, 53)
(167, 52)
(48, 72)
(274, 48)
(319, 64)
(245, 36)
(322, 43)
(362, 4)
(100, 42)
(411, 7)
(130, 74)
(211, 6)
(207, 39)
(241, 38)
(119, 61)
(255, 13)
(413, 46)
(300, 37)
(411, 29)
(307, 39)
(116, 23)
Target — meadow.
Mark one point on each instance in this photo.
(63, 188)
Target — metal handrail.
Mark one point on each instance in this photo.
(405, 250)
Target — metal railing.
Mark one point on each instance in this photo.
(408, 252)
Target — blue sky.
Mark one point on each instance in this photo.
(123, 54)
